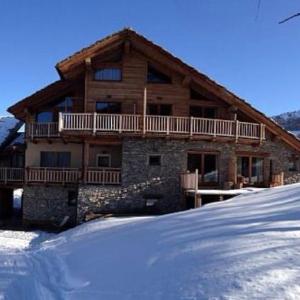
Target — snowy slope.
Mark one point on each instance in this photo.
(6, 125)
(290, 121)
(244, 248)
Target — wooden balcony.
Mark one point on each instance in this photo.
(167, 125)
(11, 175)
(103, 176)
(42, 130)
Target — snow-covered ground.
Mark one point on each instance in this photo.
(244, 248)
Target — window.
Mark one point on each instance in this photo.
(159, 109)
(155, 76)
(207, 165)
(108, 107)
(109, 74)
(65, 105)
(203, 112)
(72, 198)
(251, 168)
(292, 165)
(55, 159)
(103, 160)
(154, 160)
(44, 117)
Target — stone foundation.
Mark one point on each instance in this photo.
(157, 188)
(44, 205)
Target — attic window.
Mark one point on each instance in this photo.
(196, 95)
(108, 74)
(155, 76)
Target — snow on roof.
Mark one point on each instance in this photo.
(7, 124)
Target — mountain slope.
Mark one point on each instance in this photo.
(290, 121)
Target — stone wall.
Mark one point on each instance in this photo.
(157, 188)
(49, 205)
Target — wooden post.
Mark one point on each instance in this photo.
(60, 122)
(88, 69)
(191, 125)
(196, 186)
(94, 122)
(261, 132)
(144, 110)
(236, 130)
(85, 160)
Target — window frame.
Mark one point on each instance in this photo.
(159, 105)
(106, 155)
(249, 177)
(56, 153)
(201, 170)
(108, 68)
(109, 102)
(167, 76)
(156, 156)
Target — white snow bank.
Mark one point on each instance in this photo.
(244, 248)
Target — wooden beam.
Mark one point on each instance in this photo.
(88, 71)
(85, 160)
(144, 110)
(186, 81)
(127, 47)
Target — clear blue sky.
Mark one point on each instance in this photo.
(250, 54)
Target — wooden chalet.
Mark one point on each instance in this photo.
(129, 127)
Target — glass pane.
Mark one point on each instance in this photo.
(155, 76)
(103, 161)
(63, 159)
(114, 74)
(152, 109)
(65, 105)
(44, 117)
(243, 167)
(209, 113)
(257, 170)
(108, 107)
(196, 111)
(194, 162)
(166, 109)
(154, 160)
(210, 168)
(55, 159)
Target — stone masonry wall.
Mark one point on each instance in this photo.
(48, 205)
(160, 185)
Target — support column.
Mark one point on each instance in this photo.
(232, 169)
(144, 110)
(88, 75)
(85, 160)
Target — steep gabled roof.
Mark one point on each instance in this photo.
(55, 88)
(163, 56)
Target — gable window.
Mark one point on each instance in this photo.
(65, 105)
(159, 109)
(108, 107)
(44, 117)
(103, 160)
(251, 168)
(203, 112)
(108, 74)
(155, 76)
(154, 160)
(207, 165)
(51, 159)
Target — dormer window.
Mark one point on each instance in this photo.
(108, 74)
(155, 76)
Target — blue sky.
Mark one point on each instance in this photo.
(249, 53)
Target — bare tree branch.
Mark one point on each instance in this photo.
(289, 18)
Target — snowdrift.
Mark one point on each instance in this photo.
(244, 248)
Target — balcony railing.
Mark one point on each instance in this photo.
(9, 175)
(42, 130)
(118, 123)
(105, 176)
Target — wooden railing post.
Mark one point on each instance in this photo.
(261, 132)
(191, 125)
(236, 130)
(215, 128)
(60, 122)
(94, 122)
(168, 125)
(120, 123)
